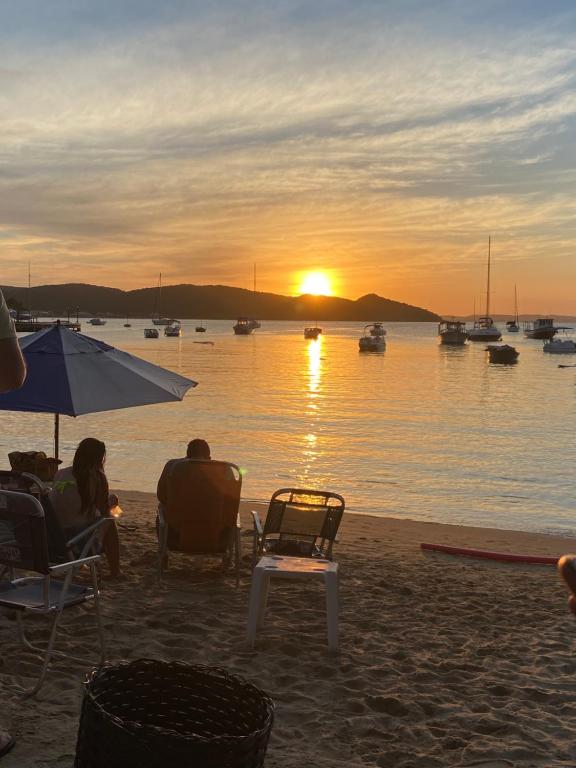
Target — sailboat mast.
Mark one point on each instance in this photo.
(254, 283)
(515, 305)
(29, 291)
(488, 282)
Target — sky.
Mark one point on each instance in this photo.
(380, 141)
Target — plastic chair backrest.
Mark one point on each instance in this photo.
(298, 513)
(203, 503)
(23, 542)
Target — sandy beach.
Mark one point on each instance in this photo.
(443, 661)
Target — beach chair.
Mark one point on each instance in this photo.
(46, 589)
(299, 523)
(60, 549)
(201, 516)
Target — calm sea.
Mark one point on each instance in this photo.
(422, 431)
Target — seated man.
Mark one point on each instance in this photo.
(197, 449)
(198, 498)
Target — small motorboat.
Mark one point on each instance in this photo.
(560, 347)
(452, 332)
(200, 328)
(312, 332)
(373, 339)
(245, 325)
(502, 353)
(151, 333)
(97, 321)
(127, 325)
(174, 329)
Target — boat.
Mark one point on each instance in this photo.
(151, 333)
(157, 318)
(512, 326)
(502, 353)
(484, 328)
(543, 328)
(452, 332)
(200, 328)
(484, 554)
(97, 321)
(127, 325)
(560, 347)
(174, 329)
(373, 339)
(312, 332)
(245, 325)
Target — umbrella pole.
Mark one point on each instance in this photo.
(56, 434)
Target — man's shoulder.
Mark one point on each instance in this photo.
(171, 463)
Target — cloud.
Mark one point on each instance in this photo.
(206, 138)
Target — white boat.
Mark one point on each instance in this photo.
(452, 332)
(484, 328)
(512, 326)
(560, 347)
(174, 329)
(151, 333)
(374, 338)
(97, 321)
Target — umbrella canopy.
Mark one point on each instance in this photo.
(73, 374)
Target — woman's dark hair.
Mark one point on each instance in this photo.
(88, 469)
(198, 449)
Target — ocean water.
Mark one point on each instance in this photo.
(421, 431)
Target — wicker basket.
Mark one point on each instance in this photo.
(154, 714)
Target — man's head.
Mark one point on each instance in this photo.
(198, 449)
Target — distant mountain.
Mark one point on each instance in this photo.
(210, 302)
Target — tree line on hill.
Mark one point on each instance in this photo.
(217, 302)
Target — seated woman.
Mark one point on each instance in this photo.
(80, 497)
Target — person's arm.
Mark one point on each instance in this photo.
(12, 366)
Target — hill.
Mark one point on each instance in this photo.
(218, 302)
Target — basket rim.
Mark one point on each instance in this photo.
(159, 730)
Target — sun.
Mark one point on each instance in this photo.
(316, 283)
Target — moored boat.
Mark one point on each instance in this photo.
(484, 328)
(452, 332)
(174, 329)
(245, 325)
(151, 333)
(97, 321)
(374, 338)
(513, 326)
(560, 347)
(502, 353)
(543, 328)
(312, 332)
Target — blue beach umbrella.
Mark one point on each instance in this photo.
(73, 374)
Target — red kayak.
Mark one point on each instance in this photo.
(504, 557)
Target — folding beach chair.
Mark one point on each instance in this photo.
(201, 516)
(60, 549)
(50, 590)
(299, 523)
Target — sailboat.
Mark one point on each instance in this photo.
(512, 326)
(245, 325)
(158, 319)
(484, 328)
(200, 328)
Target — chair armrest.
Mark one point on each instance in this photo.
(73, 563)
(88, 531)
(257, 523)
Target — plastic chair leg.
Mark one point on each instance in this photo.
(331, 582)
(255, 611)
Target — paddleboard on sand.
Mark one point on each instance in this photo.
(504, 557)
